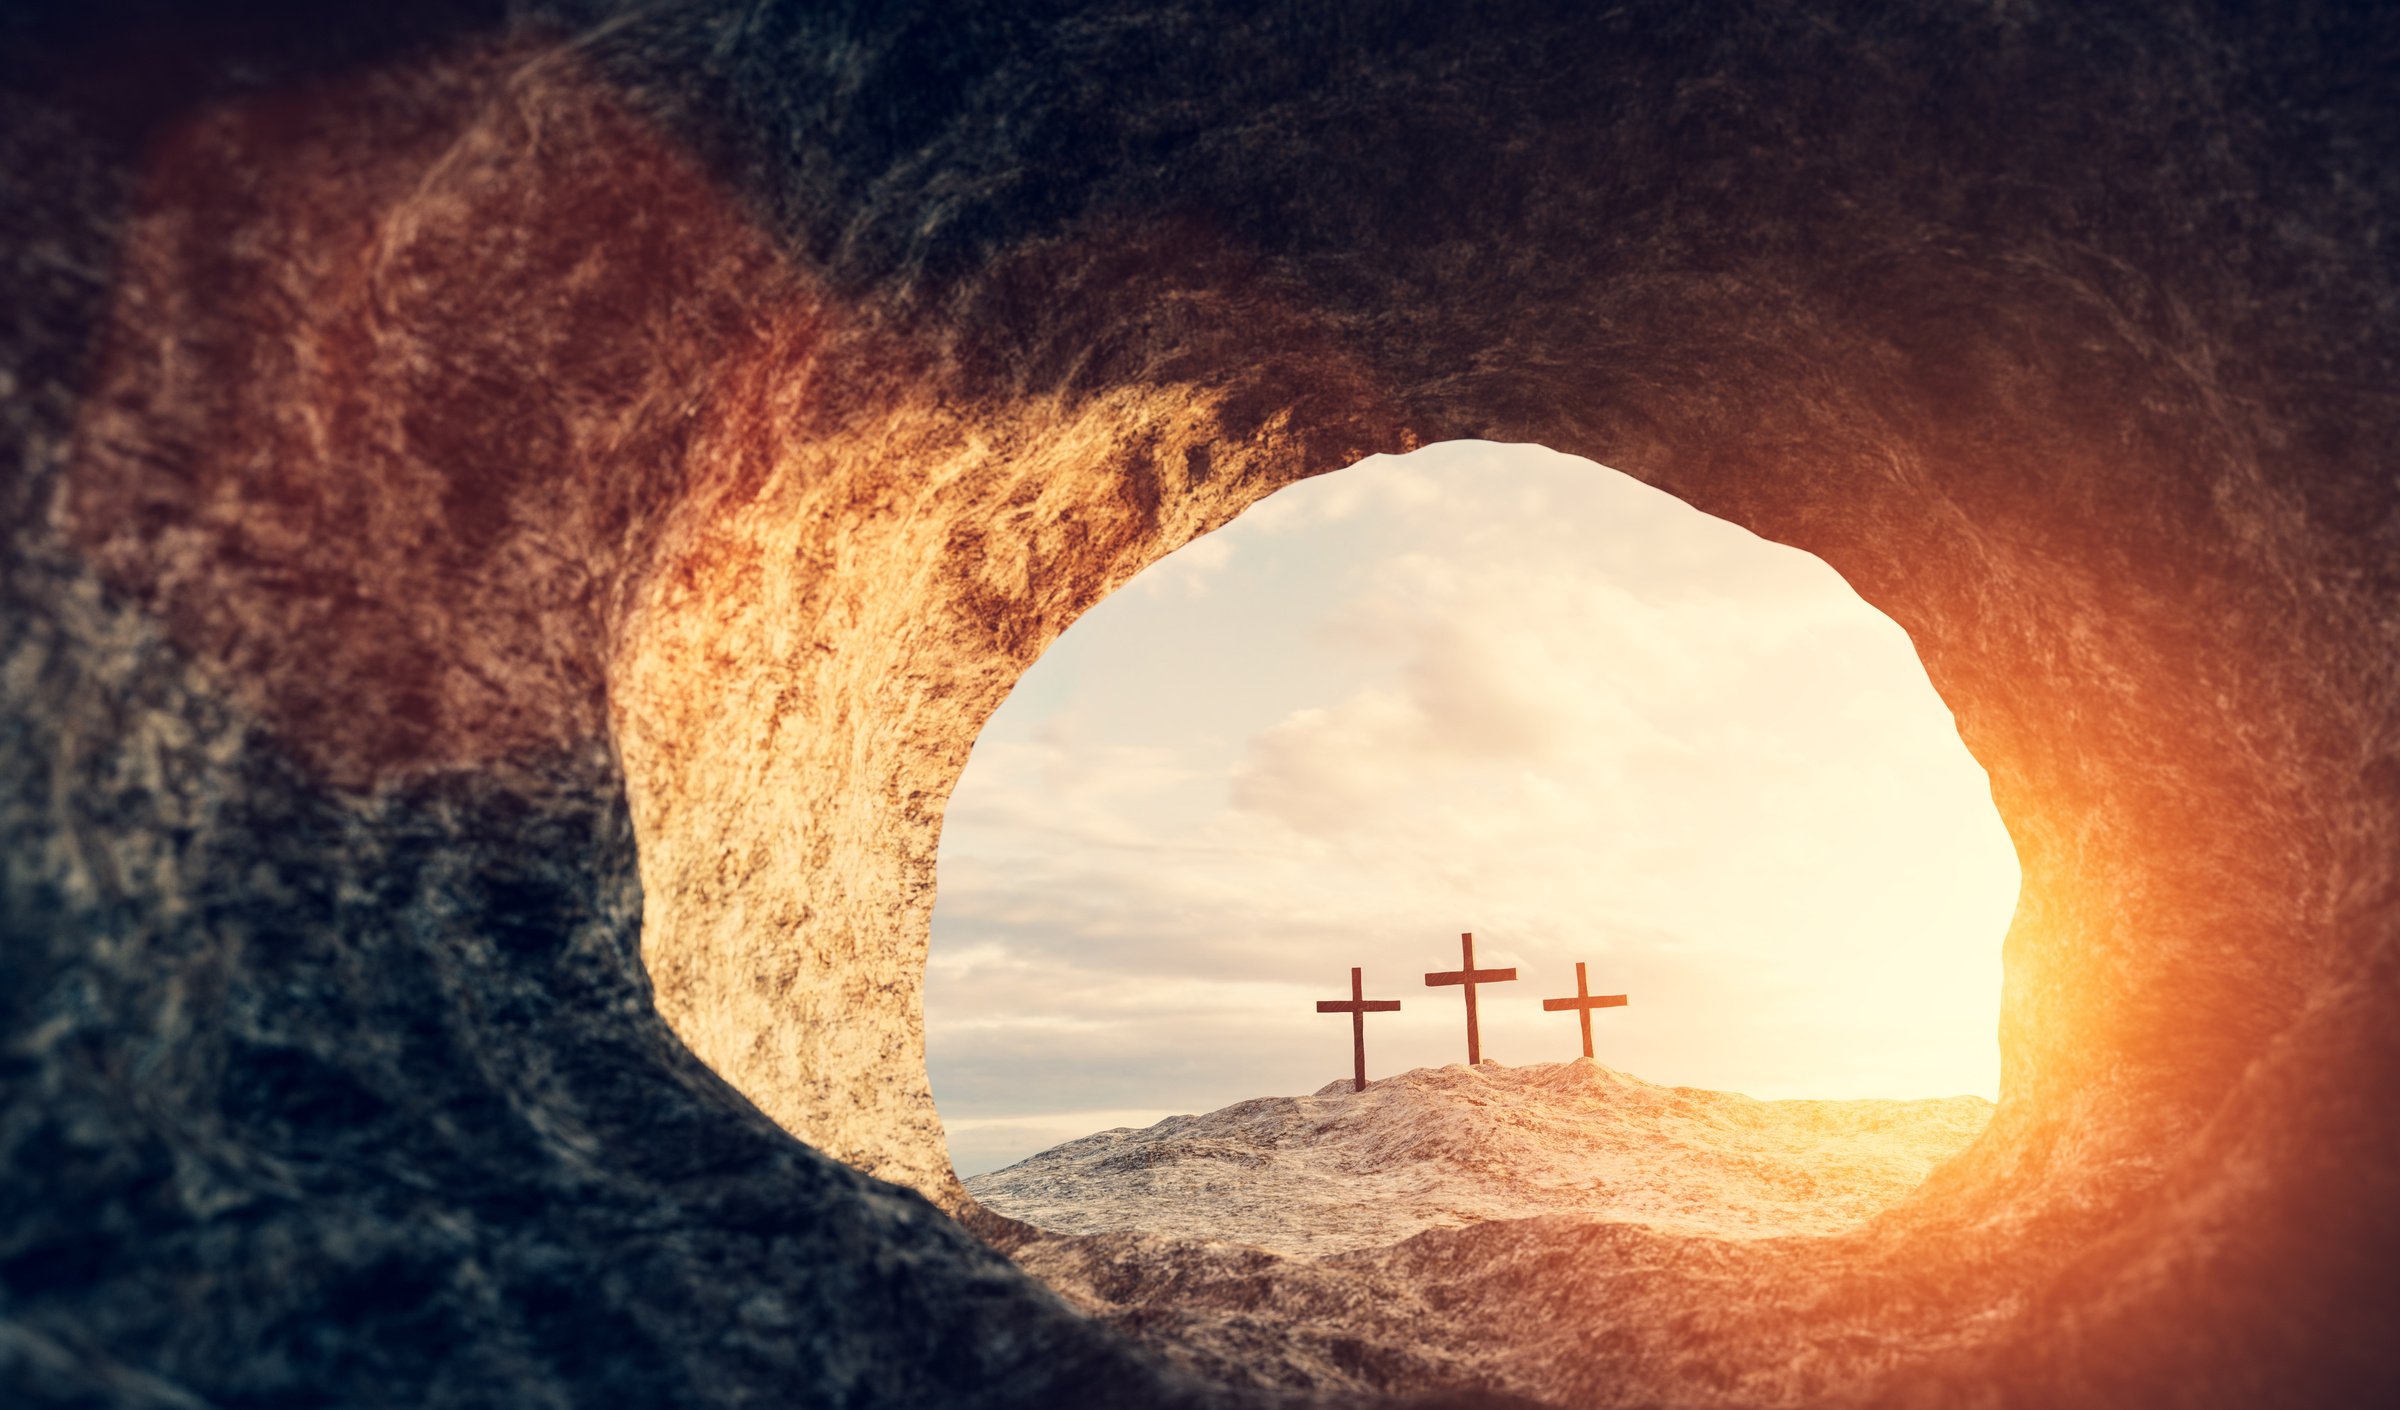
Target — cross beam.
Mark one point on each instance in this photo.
(1358, 1006)
(1468, 976)
(1583, 1003)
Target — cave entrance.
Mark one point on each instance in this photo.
(1475, 688)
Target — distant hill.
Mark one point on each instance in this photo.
(1340, 1171)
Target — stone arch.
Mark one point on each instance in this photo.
(726, 444)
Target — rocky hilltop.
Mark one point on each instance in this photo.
(1442, 1148)
(1459, 1228)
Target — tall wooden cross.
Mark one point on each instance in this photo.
(1469, 976)
(1583, 1003)
(1358, 1006)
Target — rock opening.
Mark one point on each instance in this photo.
(1476, 684)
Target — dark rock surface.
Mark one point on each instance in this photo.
(515, 513)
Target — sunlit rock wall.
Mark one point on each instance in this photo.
(515, 522)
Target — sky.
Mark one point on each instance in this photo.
(1475, 688)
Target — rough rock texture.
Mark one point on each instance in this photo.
(515, 513)
(1445, 1147)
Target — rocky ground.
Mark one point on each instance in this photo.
(1460, 1227)
(1442, 1148)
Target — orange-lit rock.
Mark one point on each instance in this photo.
(502, 516)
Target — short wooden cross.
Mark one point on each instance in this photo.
(1469, 976)
(1583, 1003)
(1358, 1006)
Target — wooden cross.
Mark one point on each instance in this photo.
(1583, 1003)
(1469, 976)
(1358, 1006)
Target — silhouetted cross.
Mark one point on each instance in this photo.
(1358, 1006)
(1469, 976)
(1583, 1003)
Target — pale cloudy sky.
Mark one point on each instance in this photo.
(1486, 688)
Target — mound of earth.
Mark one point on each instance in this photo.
(1436, 1148)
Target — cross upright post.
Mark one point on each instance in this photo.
(1358, 1006)
(1468, 976)
(1583, 1003)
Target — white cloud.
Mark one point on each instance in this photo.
(1332, 500)
(1188, 572)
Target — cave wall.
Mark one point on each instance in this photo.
(517, 516)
